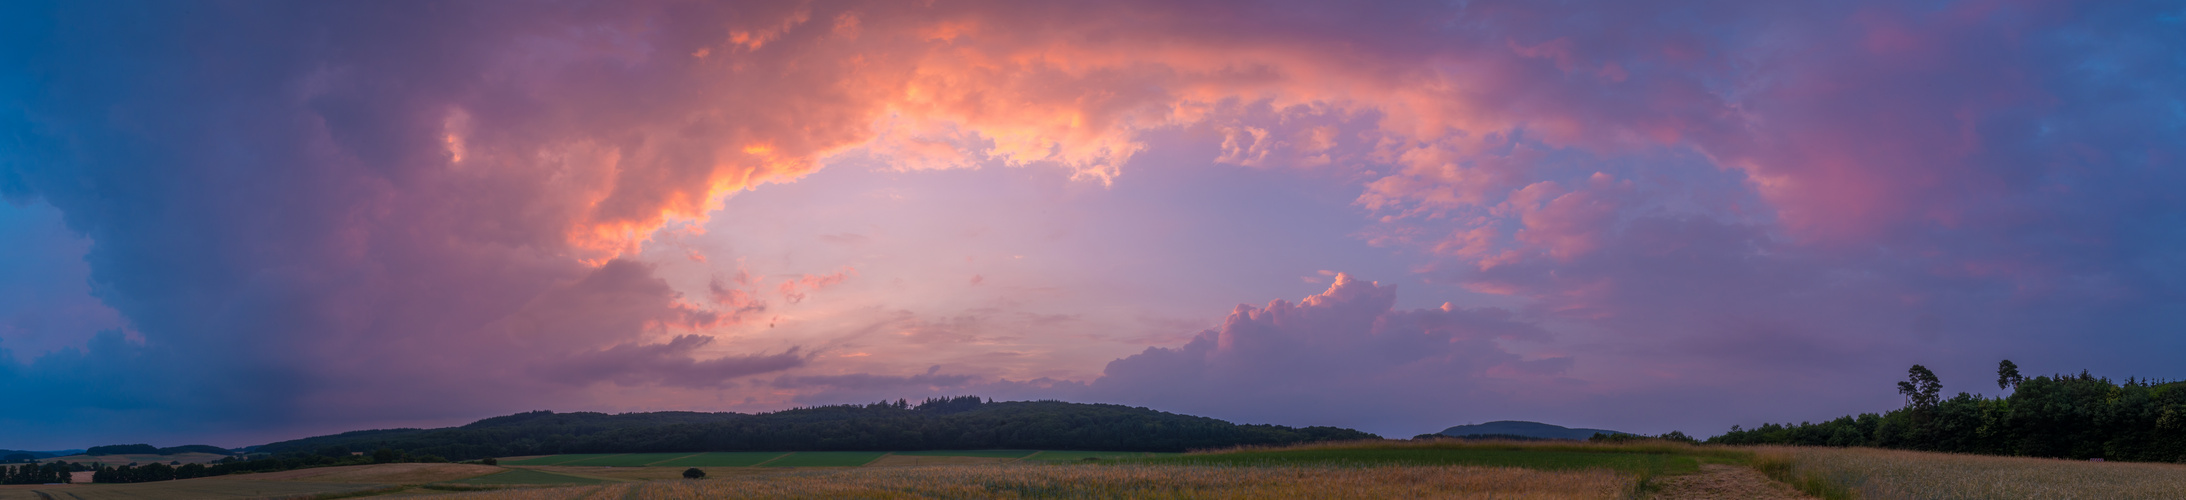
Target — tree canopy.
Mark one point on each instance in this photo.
(2058, 416)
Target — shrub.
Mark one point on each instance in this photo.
(693, 473)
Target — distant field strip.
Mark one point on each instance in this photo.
(722, 459)
(1123, 482)
(527, 476)
(628, 460)
(188, 489)
(1071, 456)
(559, 459)
(970, 453)
(826, 459)
(1530, 459)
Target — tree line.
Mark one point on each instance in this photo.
(34, 474)
(2056, 416)
(155, 471)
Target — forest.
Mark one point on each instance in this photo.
(2056, 416)
(966, 422)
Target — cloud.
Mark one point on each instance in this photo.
(670, 364)
(1345, 356)
(794, 289)
(933, 379)
(292, 194)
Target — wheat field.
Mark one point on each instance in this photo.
(1879, 474)
(1120, 482)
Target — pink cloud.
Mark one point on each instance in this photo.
(356, 216)
(794, 290)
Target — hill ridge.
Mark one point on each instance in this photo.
(1524, 428)
(955, 423)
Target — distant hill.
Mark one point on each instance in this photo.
(956, 423)
(145, 449)
(187, 458)
(1522, 428)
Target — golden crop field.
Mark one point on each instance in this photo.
(1121, 482)
(1879, 474)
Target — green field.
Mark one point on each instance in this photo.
(559, 459)
(826, 459)
(722, 459)
(528, 476)
(1072, 456)
(1542, 459)
(970, 453)
(627, 460)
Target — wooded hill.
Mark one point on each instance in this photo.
(953, 423)
(1523, 429)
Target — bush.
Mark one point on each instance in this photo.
(490, 461)
(694, 473)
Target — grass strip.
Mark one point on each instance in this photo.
(625, 460)
(722, 459)
(969, 453)
(825, 459)
(527, 476)
(558, 459)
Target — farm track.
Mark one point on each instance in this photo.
(1725, 482)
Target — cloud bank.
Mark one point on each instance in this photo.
(354, 214)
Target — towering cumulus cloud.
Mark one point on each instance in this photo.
(1328, 356)
(374, 213)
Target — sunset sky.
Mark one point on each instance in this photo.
(238, 222)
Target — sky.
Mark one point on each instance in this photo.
(233, 223)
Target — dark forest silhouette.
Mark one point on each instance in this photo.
(2057, 416)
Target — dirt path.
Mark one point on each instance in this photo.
(1730, 482)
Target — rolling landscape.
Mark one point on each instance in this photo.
(1092, 249)
(968, 446)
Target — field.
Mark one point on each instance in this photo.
(303, 483)
(627, 460)
(1364, 469)
(809, 458)
(192, 489)
(527, 476)
(723, 459)
(1121, 482)
(1068, 456)
(556, 459)
(825, 459)
(1868, 473)
(1347, 470)
(970, 453)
